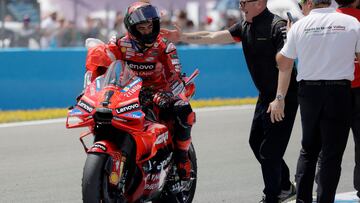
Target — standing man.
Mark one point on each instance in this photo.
(349, 7)
(324, 43)
(262, 37)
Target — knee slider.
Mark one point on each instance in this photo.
(184, 113)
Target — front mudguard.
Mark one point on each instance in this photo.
(104, 147)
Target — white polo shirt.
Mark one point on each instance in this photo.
(325, 43)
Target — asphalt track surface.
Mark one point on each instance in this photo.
(43, 162)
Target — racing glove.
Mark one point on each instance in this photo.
(163, 99)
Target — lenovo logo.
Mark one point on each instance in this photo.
(141, 66)
(127, 108)
(87, 107)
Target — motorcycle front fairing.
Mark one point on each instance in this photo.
(117, 91)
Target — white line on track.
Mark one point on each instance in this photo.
(62, 120)
(346, 197)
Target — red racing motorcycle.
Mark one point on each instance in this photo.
(131, 156)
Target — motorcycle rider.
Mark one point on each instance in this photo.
(155, 60)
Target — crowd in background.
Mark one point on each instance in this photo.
(56, 31)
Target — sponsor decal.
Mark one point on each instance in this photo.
(144, 74)
(132, 91)
(130, 49)
(174, 56)
(162, 138)
(151, 186)
(132, 84)
(125, 89)
(170, 48)
(98, 84)
(164, 163)
(75, 112)
(136, 114)
(100, 146)
(155, 53)
(139, 54)
(141, 66)
(175, 61)
(125, 44)
(178, 68)
(165, 40)
(155, 177)
(130, 53)
(149, 59)
(325, 30)
(84, 105)
(177, 88)
(127, 108)
(123, 49)
(117, 164)
(175, 84)
(114, 178)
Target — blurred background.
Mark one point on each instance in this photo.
(67, 23)
(42, 52)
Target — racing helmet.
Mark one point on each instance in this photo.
(140, 12)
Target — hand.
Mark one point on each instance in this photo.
(163, 99)
(172, 35)
(284, 31)
(276, 110)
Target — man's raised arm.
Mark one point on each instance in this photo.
(201, 37)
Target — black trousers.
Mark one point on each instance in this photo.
(269, 141)
(355, 127)
(325, 108)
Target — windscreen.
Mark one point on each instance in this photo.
(118, 75)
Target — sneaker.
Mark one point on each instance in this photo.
(288, 195)
(263, 199)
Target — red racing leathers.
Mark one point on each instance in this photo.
(160, 69)
(158, 66)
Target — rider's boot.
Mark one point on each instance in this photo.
(183, 162)
(185, 118)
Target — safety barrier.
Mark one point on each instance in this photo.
(32, 79)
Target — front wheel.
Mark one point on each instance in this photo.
(95, 181)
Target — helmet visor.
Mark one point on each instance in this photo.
(143, 14)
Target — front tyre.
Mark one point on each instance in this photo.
(95, 182)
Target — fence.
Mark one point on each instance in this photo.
(32, 79)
